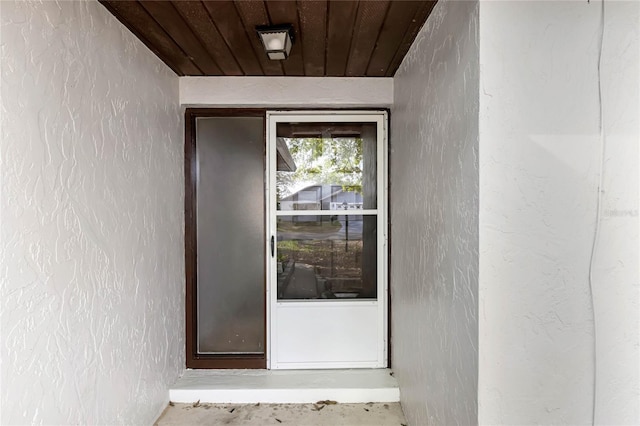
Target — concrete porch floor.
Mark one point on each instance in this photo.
(295, 397)
(385, 414)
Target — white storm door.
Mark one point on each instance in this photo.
(327, 247)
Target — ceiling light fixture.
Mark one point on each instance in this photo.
(277, 40)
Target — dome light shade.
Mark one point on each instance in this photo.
(276, 40)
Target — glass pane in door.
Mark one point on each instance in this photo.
(327, 257)
(326, 166)
(230, 235)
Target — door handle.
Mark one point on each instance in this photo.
(272, 246)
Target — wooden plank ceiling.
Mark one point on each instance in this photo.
(332, 37)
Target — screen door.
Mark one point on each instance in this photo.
(327, 240)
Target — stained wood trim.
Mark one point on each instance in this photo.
(193, 358)
(389, 240)
(220, 362)
(190, 239)
(211, 361)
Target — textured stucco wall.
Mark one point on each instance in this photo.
(540, 156)
(434, 219)
(91, 231)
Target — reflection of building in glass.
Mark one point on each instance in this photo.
(322, 197)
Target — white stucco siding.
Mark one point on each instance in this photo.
(540, 163)
(91, 231)
(434, 220)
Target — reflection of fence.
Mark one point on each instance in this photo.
(313, 205)
(346, 206)
(306, 205)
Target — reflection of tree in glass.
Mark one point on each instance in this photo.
(335, 161)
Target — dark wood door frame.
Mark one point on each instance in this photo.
(193, 358)
(211, 361)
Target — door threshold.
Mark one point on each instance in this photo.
(285, 386)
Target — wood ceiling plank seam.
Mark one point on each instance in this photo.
(299, 26)
(354, 31)
(370, 21)
(262, 69)
(418, 22)
(335, 51)
(250, 21)
(140, 36)
(281, 12)
(326, 41)
(399, 16)
(188, 66)
(353, 34)
(273, 21)
(224, 14)
(386, 15)
(312, 15)
(266, 9)
(192, 58)
(186, 40)
(194, 13)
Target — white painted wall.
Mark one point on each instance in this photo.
(92, 302)
(287, 92)
(434, 220)
(540, 156)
